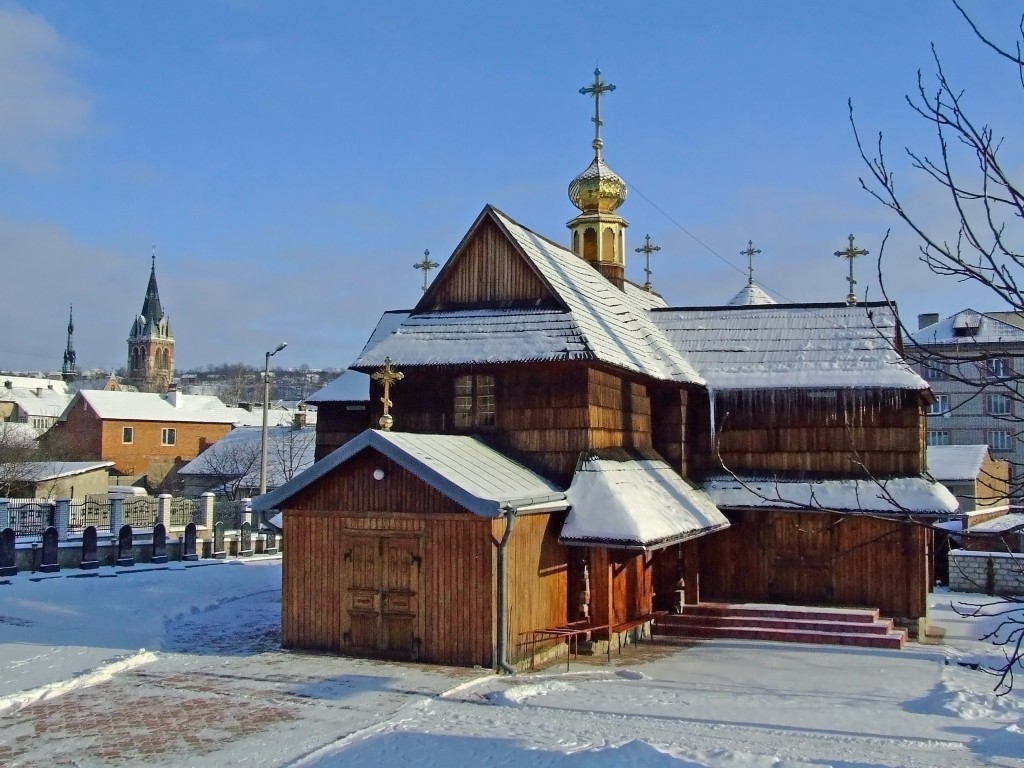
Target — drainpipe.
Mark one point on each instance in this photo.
(509, 513)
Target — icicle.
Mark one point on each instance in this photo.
(714, 432)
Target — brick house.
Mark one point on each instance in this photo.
(142, 433)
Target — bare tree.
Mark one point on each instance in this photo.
(983, 247)
(17, 457)
(228, 463)
(291, 451)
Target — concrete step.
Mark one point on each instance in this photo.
(783, 623)
(753, 610)
(767, 622)
(892, 640)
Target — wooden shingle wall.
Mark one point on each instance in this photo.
(488, 270)
(818, 558)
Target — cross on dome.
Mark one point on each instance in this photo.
(647, 249)
(851, 253)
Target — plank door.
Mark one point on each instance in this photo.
(384, 596)
(800, 558)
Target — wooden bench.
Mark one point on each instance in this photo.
(624, 627)
(570, 632)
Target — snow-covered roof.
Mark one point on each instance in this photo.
(37, 401)
(464, 469)
(289, 451)
(997, 525)
(146, 406)
(751, 294)
(596, 321)
(782, 346)
(351, 385)
(635, 503)
(8, 381)
(972, 327)
(892, 496)
(41, 471)
(956, 462)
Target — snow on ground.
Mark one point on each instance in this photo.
(181, 666)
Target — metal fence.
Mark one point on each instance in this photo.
(140, 511)
(30, 517)
(185, 510)
(227, 512)
(89, 512)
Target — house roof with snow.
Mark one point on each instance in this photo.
(972, 327)
(892, 497)
(236, 455)
(42, 471)
(791, 346)
(635, 504)
(588, 318)
(37, 400)
(950, 463)
(464, 469)
(147, 406)
(351, 386)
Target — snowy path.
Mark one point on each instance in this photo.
(212, 688)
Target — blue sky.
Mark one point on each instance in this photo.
(291, 161)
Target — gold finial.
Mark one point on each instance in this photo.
(750, 253)
(647, 249)
(426, 265)
(595, 89)
(851, 253)
(387, 376)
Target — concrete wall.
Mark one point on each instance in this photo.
(996, 573)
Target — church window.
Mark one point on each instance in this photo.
(576, 242)
(590, 244)
(474, 401)
(608, 245)
(167, 436)
(128, 435)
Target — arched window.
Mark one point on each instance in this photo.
(576, 242)
(590, 244)
(608, 252)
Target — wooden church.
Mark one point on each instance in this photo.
(559, 448)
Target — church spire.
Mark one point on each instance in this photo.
(150, 341)
(598, 233)
(68, 371)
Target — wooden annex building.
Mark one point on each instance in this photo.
(569, 448)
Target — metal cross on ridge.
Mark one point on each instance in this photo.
(387, 376)
(647, 249)
(851, 253)
(595, 89)
(750, 253)
(426, 265)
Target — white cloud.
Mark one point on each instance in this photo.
(41, 104)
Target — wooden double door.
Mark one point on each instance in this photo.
(800, 557)
(385, 607)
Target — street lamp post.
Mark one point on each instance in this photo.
(266, 415)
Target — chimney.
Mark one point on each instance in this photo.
(929, 318)
(299, 419)
(173, 396)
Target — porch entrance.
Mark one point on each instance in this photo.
(385, 599)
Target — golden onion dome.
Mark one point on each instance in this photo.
(598, 188)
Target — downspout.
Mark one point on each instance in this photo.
(509, 513)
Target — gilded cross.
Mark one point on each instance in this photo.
(647, 249)
(851, 253)
(595, 89)
(750, 253)
(426, 265)
(387, 376)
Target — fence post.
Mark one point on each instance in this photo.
(163, 509)
(116, 515)
(208, 520)
(5, 515)
(62, 518)
(246, 515)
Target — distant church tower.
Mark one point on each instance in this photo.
(598, 233)
(151, 343)
(68, 371)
